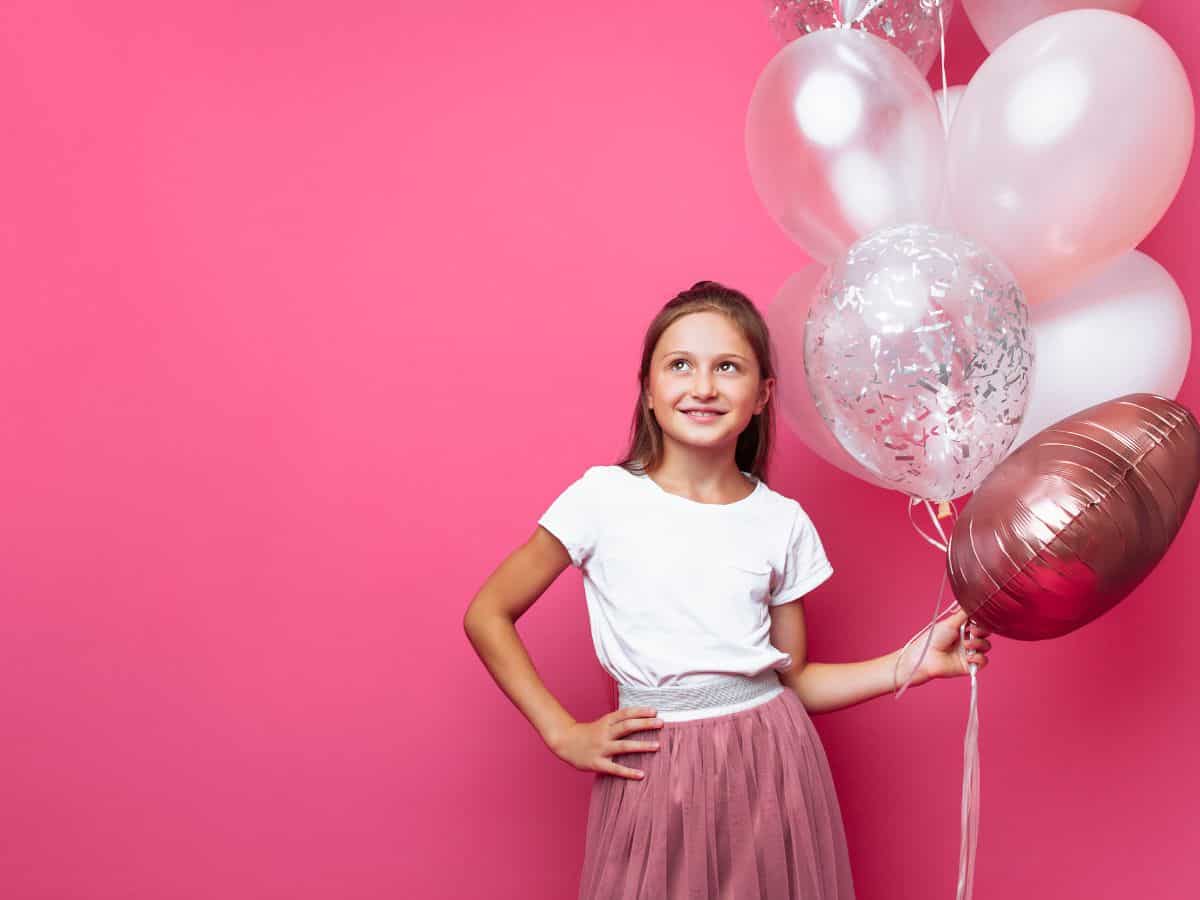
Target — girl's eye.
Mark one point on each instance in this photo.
(727, 362)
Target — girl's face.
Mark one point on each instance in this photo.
(703, 362)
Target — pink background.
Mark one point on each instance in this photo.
(312, 309)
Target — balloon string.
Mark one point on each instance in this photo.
(944, 543)
(867, 10)
(969, 820)
(970, 791)
(945, 89)
(937, 519)
(938, 613)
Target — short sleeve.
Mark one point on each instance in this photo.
(572, 517)
(805, 565)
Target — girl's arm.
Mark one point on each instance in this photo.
(490, 626)
(823, 687)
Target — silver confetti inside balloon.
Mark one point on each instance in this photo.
(919, 355)
(910, 25)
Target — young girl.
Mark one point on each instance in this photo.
(711, 779)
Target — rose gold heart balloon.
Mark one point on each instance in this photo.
(1072, 521)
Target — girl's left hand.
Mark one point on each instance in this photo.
(944, 659)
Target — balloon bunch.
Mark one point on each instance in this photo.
(956, 235)
(976, 319)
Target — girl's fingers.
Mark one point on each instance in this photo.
(634, 746)
(615, 768)
(625, 726)
(634, 712)
(620, 747)
(624, 771)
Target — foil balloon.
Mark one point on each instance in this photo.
(912, 26)
(918, 354)
(842, 139)
(997, 20)
(1071, 523)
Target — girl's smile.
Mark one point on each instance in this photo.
(702, 415)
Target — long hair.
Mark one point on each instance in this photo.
(645, 451)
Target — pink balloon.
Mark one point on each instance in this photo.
(995, 21)
(786, 315)
(842, 139)
(1124, 330)
(1069, 143)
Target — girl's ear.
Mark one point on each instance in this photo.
(764, 392)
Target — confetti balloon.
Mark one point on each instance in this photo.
(918, 354)
(1076, 518)
(786, 316)
(909, 25)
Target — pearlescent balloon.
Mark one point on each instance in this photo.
(995, 21)
(842, 139)
(918, 354)
(910, 26)
(1068, 145)
(1124, 330)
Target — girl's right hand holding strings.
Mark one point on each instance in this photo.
(588, 745)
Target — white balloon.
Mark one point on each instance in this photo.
(1123, 330)
(1068, 145)
(842, 139)
(995, 21)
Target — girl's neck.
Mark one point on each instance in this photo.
(717, 482)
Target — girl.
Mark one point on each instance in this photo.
(711, 779)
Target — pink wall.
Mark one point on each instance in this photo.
(312, 309)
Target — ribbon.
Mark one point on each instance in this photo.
(969, 818)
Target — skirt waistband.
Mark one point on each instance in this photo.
(723, 694)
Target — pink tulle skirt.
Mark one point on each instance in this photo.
(738, 806)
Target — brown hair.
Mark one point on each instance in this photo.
(754, 443)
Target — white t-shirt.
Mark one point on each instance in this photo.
(677, 590)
